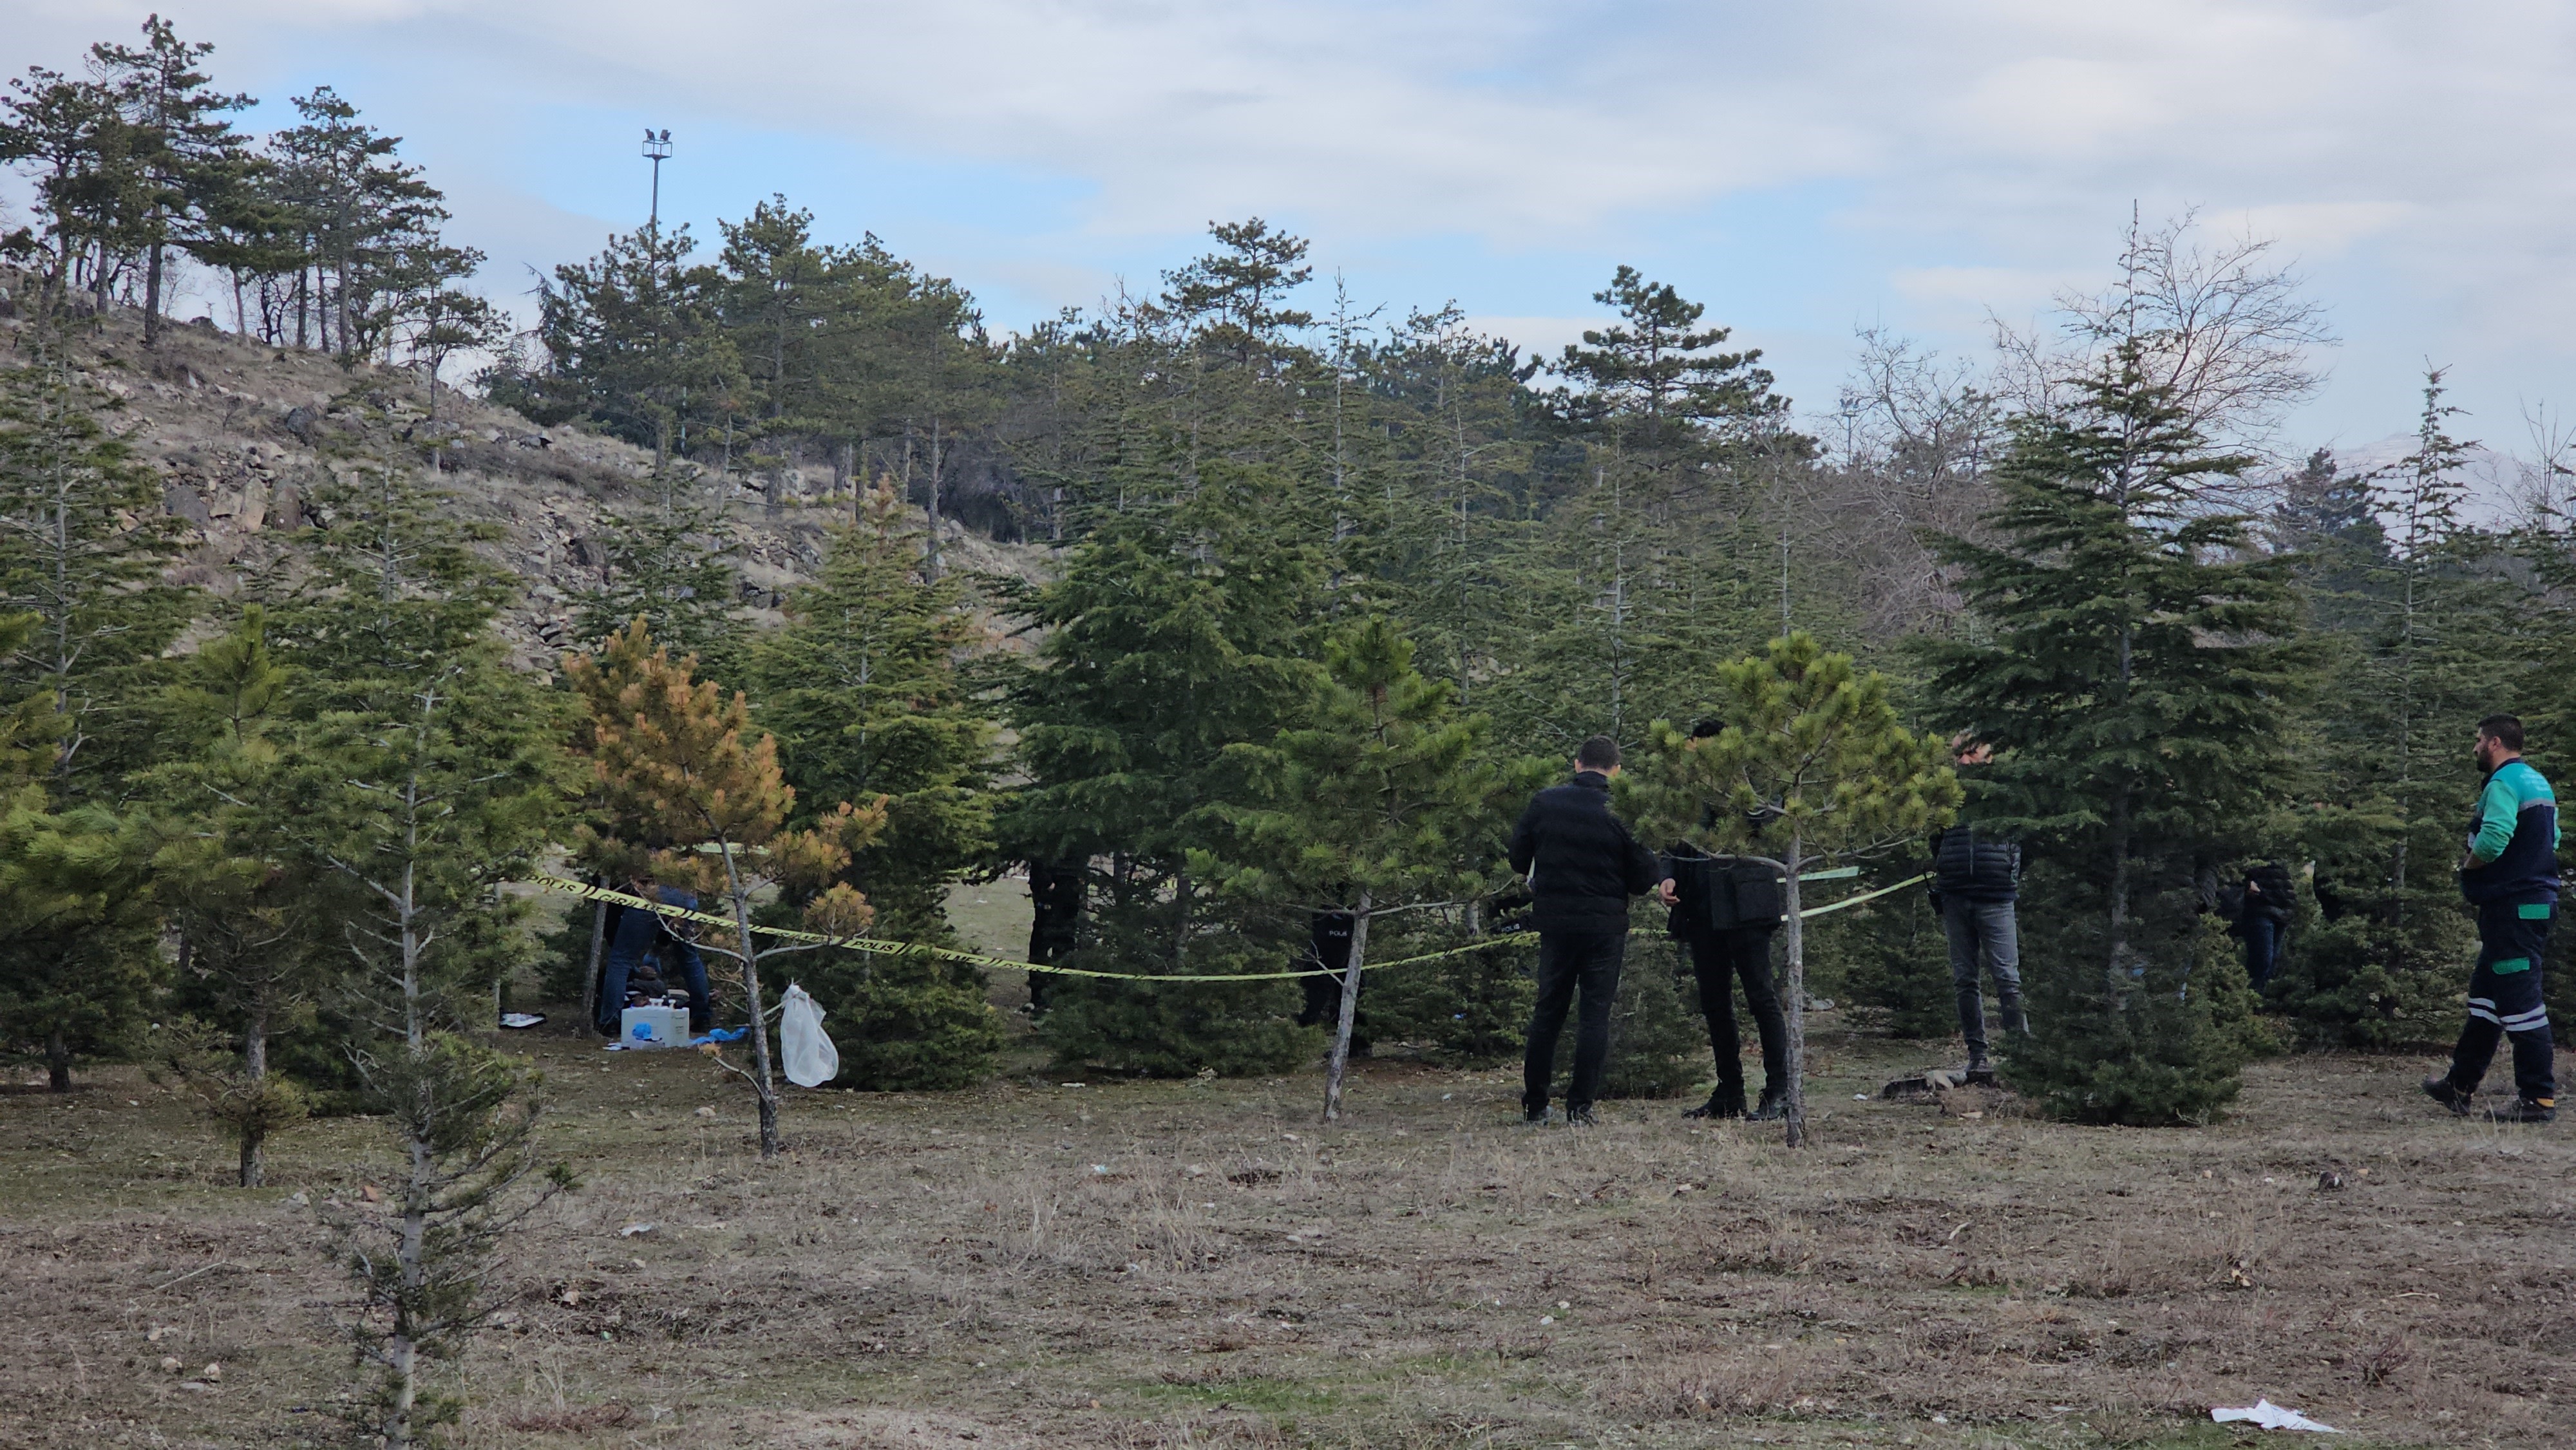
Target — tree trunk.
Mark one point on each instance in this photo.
(1795, 1008)
(254, 1128)
(764, 1082)
(590, 981)
(1341, 1059)
(930, 560)
(58, 1061)
(152, 298)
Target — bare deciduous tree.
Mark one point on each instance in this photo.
(2223, 331)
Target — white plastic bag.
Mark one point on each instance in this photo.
(812, 1060)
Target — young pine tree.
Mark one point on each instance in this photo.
(1175, 633)
(1382, 802)
(83, 541)
(2437, 637)
(862, 689)
(243, 895)
(670, 752)
(427, 778)
(1812, 763)
(2135, 668)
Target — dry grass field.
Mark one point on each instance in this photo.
(1152, 1264)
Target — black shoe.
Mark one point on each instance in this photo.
(1534, 1117)
(1769, 1110)
(2526, 1110)
(2442, 1090)
(1720, 1104)
(1579, 1117)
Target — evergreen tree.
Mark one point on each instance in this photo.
(247, 901)
(2133, 669)
(1380, 802)
(670, 752)
(863, 690)
(1665, 558)
(81, 546)
(72, 137)
(426, 778)
(79, 959)
(184, 155)
(371, 259)
(633, 342)
(671, 563)
(1175, 631)
(83, 541)
(1812, 762)
(2436, 638)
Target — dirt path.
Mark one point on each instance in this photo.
(1168, 1264)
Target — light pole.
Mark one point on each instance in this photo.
(656, 147)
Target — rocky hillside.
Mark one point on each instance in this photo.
(242, 434)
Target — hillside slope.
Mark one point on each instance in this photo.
(242, 434)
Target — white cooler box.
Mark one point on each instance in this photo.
(660, 1025)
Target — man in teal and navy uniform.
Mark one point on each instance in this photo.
(2511, 876)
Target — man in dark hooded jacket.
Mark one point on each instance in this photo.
(1582, 865)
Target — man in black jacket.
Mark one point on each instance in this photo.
(1727, 912)
(1976, 879)
(1582, 866)
(2268, 903)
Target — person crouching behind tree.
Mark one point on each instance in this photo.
(1976, 882)
(646, 940)
(2511, 876)
(1582, 865)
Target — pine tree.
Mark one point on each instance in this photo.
(79, 959)
(1381, 802)
(1175, 632)
(87, 613)
(1812, 762)
(424, 777)
(671, 563)
(2436, 637)
(243, 895)
(633, 342)
(184, 153)
(2134, 667)
(671, 752)
(83, 541)
(863, 690)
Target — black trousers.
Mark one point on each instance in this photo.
(1568, 960)
(1720, 959)
(2505, 1000)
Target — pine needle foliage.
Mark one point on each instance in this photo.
(1812, 764)
(1384, 800)
(2134, 664)
(863, 689)
(669, 751)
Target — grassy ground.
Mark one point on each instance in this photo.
(1201, 1264)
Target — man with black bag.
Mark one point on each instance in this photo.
(1582, 865)
(1726, 913)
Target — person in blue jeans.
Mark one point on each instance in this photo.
(1976, 884)
(643, 934)
(2510, 875)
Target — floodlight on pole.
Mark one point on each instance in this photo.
(656, 148)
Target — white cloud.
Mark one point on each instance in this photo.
(1976, 153)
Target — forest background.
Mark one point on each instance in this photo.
(260, 818)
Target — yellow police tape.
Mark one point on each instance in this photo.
(588, 892)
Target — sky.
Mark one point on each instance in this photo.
(1804, 170)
